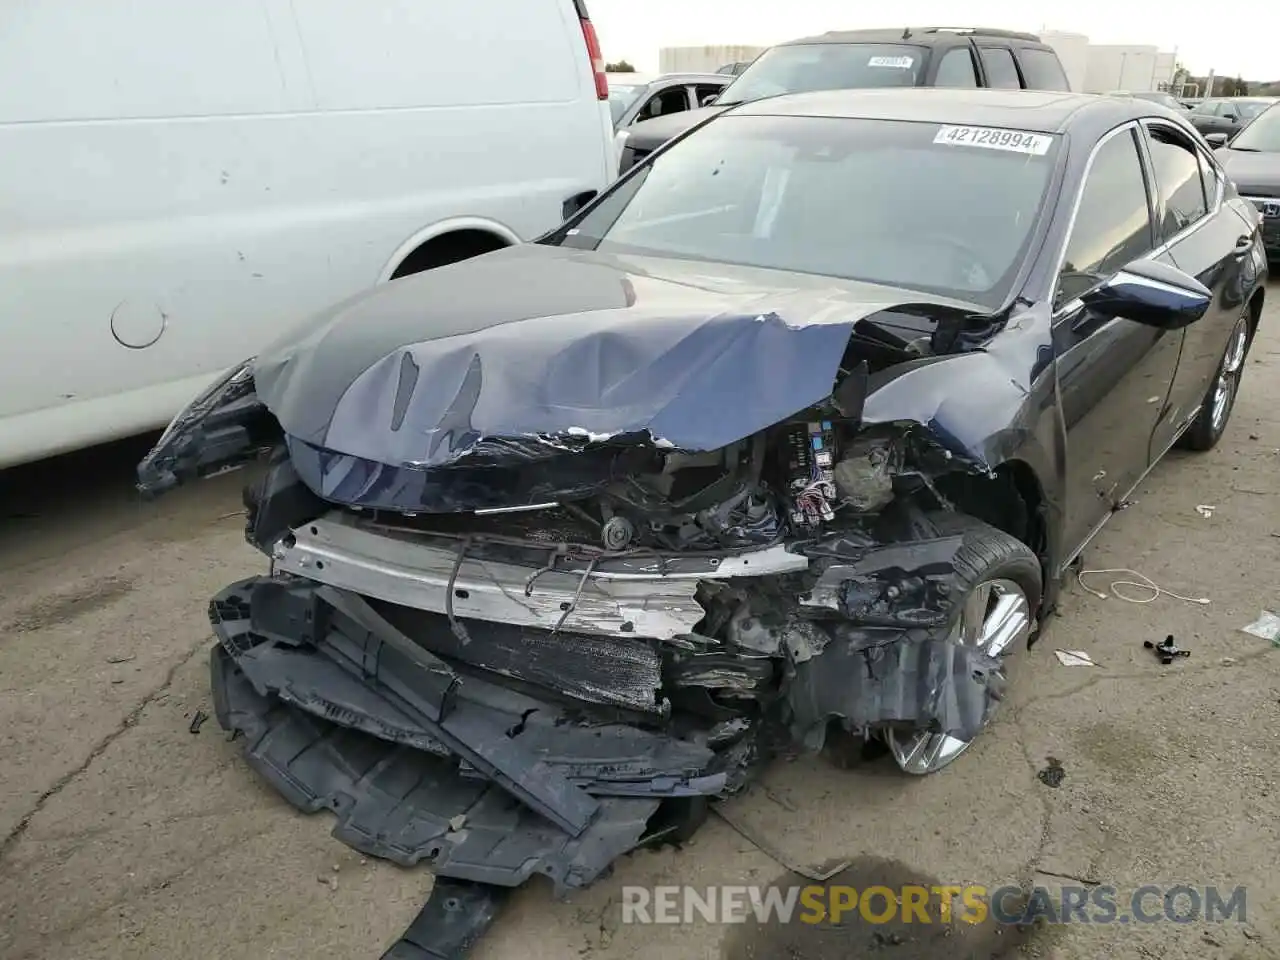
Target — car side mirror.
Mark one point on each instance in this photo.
(709, 99)
(1217, 140)
(1151, 293)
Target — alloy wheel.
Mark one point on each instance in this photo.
(995, 618)
(1228, 383)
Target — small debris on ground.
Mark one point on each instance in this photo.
(1166, 649)
(1053, 774)
(198, 721)
(458, 822)
(1251, 934)
(781, 801)
(1266, 627)
(1205, 510)
(330, 882)
(120, 659)
(1074, 658)
(1228, 661)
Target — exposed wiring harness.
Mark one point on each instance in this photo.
(1141, 581)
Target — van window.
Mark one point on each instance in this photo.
(1042, 69)
(146, 59)
(1002, 73)
(956, 69)
(380, 54)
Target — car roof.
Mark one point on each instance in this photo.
(1039, 111)
(924, 36)
(712, 77)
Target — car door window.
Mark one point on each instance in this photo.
(671, 100)
(956, 69)
(1042, 69)
(704, 90)
(1208, 177)
(1113, 221)
(1206, 108)
(1178, 180)
(1002, 72)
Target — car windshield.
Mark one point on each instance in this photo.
(621, 96)
(800, 68)
(942, 209)
(1263, 135)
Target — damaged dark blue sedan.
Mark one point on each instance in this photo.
(793, 430)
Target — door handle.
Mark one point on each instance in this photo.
(1243, 246)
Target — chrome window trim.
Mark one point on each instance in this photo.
(1127, 127)
(1211, 209)
(1144, 124)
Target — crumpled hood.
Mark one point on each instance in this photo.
(1252, 171)
(560, 346)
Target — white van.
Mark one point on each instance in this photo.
(180, 180)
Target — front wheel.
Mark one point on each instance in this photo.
(997, 614)
(1215, 409)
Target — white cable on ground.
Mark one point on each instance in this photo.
(1142, 582)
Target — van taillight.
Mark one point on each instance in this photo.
(597, 59)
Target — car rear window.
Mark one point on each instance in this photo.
(800, 68)
(1042, 70)
(945, 209)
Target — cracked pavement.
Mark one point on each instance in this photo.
(126, 835)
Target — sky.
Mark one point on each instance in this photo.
(1205, 37)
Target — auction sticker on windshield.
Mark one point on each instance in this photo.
(902, 63)
(994, 138)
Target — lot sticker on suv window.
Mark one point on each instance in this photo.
(902, 63)
(993, 138)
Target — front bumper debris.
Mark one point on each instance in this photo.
(483, 782)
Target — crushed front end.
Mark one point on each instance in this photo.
(540, 650)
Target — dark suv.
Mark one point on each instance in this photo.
(914, 57)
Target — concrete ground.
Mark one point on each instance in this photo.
(129, 834)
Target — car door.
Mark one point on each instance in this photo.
(1207, 118)
(702, 91)
(999, 66)
(1113, 374)
(1207, 241)
(664, 101)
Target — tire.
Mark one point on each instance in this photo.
(993, 568)
(1209, 425)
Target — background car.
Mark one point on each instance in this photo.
(1252, 161)
(914, 57)
(1227, 114)
(634, 98)
(1153, 96)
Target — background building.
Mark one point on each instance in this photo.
(704, 59)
